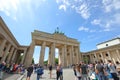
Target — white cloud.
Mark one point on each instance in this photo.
(83, 10)
(9, 7)
(15, 8)
(110, 5)
(96, 22)
(79, 6)
(62, 7)
(109, 23)
(83, 28)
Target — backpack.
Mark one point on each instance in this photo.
(40, 71)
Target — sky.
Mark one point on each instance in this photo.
(89, 21)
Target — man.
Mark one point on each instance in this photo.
(84, 69)
(99, 70)
(29, 71)
(39, 72)
(113, 70)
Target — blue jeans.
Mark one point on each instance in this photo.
(38, 77)
(101, 76)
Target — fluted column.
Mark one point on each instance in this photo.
(77, 55)
(53, 54)
(109, 55)
(10, 55)
(14, 54)
(23, 58)
(6, 52)
(29, 56)
(42, 53)
(60, 56)
(70, 51)
(91, 59)
(2, 46)
(62, 60)
(49, 56)
(118, 56)
(72, 58)
(96, 59)
(102, 56)
(65, 56)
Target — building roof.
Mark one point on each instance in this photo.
(109, 40)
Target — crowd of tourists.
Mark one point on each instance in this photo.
(82, 71)
(39, 70)
(97, 71)
(11, 68)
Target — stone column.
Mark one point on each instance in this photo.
(62, 60)
(70, 51)
(6, 52)
(14, 54)
(65, 56)
(2, 47)
(10, 55)
(77, 55)
(53, 54)
(23, 58)
(102, 56)
(91, 59)
(42, 53)
(96, 59)
(49, 56)
(60, 56)
(29, 55)
(109, 55)
(118, 56)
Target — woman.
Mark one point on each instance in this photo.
(78, 72)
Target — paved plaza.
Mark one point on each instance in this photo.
(67, 75)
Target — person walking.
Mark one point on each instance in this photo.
(50, 69)
(100, 71)
(29, 71)
(78, 72)
(113, 70)
(39, 72)
(84, 71)
(59, 72)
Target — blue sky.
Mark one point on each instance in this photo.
(89, 21)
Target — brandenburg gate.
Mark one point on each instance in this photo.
(68, 48)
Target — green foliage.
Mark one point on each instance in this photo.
(56, 60)
(85, 59)
(46, 62)
(33, 61)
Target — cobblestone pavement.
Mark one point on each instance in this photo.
(10, 76)
(67, 75)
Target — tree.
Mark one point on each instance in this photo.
(56, 60)
(33, 61)
(45, 62)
